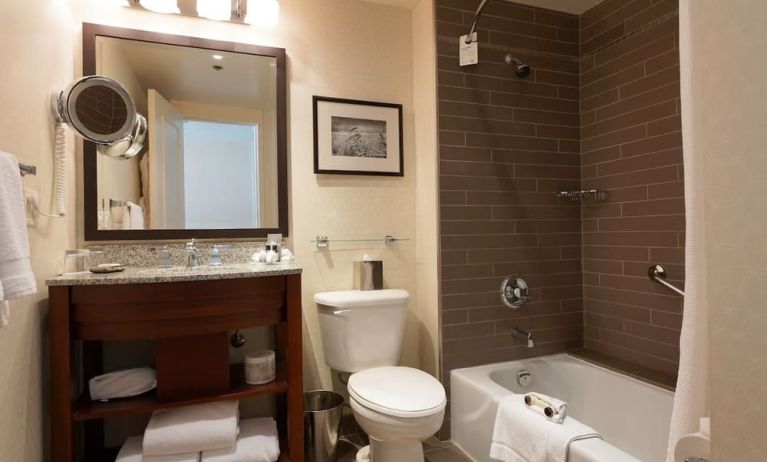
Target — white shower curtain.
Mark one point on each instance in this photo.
(691, 398)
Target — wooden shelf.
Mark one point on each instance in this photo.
(85, 409)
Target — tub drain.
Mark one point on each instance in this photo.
(524, 378)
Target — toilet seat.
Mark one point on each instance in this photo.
(398, 391)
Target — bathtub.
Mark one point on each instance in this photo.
(632, 416)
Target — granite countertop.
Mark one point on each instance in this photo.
(149, 275)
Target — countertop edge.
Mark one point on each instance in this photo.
(147, 277)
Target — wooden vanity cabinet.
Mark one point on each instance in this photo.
(189, 323)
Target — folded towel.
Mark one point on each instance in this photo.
(16, 277)
(121, 384)
(192, 428)
(133, 216)
(552, 408)
(131, 452)
(257, 442)
(523, 436)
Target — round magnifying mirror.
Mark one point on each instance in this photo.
(100, 109)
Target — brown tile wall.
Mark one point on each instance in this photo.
(631, 146)
(506, 146)
(599, 110)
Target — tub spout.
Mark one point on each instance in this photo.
(523, 335)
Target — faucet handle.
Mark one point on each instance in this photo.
(190, 245)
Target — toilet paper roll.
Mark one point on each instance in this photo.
(693, 445)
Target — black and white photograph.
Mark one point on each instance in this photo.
(357, 137)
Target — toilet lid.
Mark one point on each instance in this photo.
(398, 391)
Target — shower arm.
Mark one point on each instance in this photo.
(476, 20)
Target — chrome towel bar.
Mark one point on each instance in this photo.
(324, 241)
(658, 274)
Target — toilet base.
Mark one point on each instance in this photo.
(391, 451)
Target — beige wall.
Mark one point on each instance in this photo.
(38, 56)
(730, 135)
(341, 48)
(427, 220)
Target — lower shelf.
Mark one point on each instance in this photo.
(85, 409)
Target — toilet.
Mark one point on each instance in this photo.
(398, 407)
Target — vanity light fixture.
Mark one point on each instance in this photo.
(157, 6)
(217, 57)
(265, 12)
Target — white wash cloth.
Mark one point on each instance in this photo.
(257, 442)
(16, 277)
(121, 384)
(131, 452)
(558, 406)
(523, 436)
(192, 428)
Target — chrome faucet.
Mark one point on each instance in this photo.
(192, 259)
(523, 335)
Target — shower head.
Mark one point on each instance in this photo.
(522, 70)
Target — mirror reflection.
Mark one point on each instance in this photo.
(211, 157)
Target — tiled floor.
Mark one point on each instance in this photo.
(434, 450)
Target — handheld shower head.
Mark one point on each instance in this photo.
(522, 70)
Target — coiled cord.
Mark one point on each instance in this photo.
(60, 171)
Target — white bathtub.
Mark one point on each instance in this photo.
(632, 416)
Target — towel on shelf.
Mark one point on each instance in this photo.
(131, 452)
(257, 442)
(133, 216)
(192, 428)
(16, 277)
(121, 384)
(523, 436)
(551, 408)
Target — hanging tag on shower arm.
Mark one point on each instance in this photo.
(467, 52)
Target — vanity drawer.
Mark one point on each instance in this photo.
(164, 310)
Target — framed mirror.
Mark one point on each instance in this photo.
(215, 161)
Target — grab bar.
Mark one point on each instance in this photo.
(658, 274)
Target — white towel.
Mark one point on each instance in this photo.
(524, 436)
(121, 384)
(257, 442)
(192, 428)
(16, 277)
(133, 216)
(131, 452)
(540, 402)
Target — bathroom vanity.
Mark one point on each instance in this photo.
(188, 314)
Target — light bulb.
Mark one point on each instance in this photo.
(161, 6)
(263, 12)
(214, 9)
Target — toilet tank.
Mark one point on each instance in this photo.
(362, 329)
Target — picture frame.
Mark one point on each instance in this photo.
(354, 137)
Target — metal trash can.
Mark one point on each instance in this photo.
(322, 422)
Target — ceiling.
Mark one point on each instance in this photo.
(187, 74)
(566, 6)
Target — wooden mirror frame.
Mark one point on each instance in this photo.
(90, 184)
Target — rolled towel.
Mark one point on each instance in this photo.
(131, 452)
(121, 384)
(552, 408)
(257, 442)
(196, 428)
